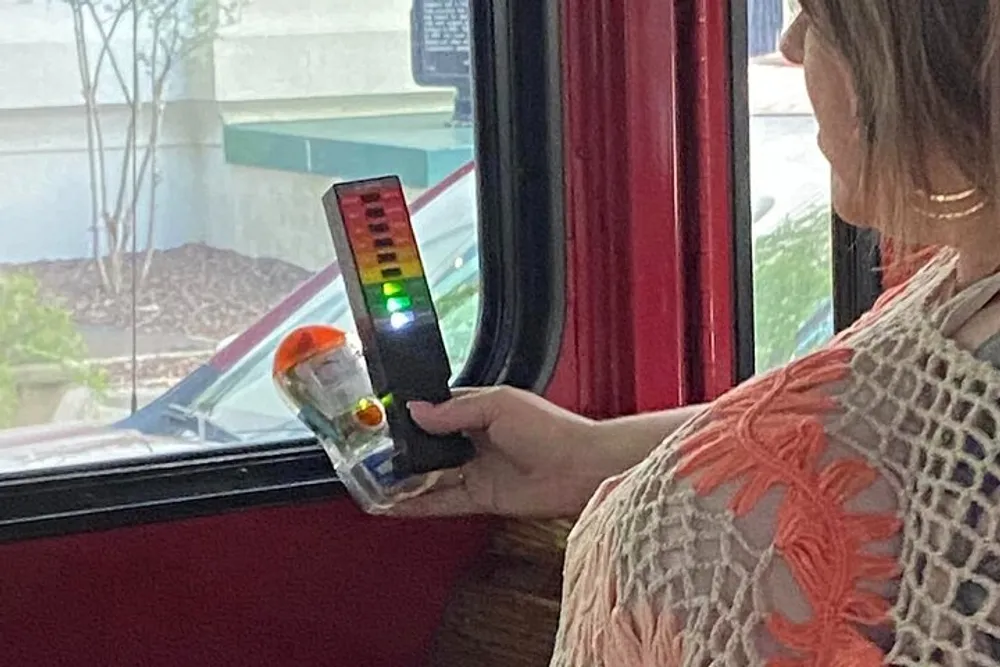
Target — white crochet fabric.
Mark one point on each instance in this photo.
(839, 511)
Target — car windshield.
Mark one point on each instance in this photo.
(243, 401)
(164, 166)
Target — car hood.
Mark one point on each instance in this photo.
(49, 446)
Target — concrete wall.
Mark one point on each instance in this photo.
(283, 59)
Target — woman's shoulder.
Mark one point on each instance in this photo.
(741, 514)
(744, 513)
(790, 477)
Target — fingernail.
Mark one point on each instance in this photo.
(418, 406)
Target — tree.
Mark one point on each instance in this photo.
(792, 278)
(141, 45)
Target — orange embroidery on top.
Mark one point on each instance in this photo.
(770, 434)
(897, 270)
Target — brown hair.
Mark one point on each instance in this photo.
(927, 74)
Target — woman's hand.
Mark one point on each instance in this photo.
(534, 458)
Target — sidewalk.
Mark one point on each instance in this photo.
(106, 342)
(163, 359)
(777, 89)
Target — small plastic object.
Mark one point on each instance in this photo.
(323, 376)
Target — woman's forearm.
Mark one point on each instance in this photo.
(628, 440)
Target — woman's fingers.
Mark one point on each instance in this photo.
(449, 478)
(459, 392)
(448, 502)
(448, 497)
(467, 411)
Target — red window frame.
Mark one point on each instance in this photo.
(650, 320)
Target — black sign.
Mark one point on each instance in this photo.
(442, 48)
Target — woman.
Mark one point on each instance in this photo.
(841, 510)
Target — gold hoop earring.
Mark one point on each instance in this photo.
(951, 198)
(957, 196)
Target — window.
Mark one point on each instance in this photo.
(216, 127)
(790, 199)
(244, 117)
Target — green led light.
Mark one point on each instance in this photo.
(392, 289)
(398, 303)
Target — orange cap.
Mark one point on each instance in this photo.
(306, 342)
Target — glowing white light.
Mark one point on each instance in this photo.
(400, 320)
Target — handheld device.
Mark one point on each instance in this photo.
(395, 316)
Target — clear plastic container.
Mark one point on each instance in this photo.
(322, 374)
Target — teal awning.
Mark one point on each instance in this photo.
(421, 148)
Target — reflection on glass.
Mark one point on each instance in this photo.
(164, 192)
(790, 192)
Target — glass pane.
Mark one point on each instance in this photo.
(164, 194)
(790, 196)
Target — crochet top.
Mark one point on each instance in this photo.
(841, 510)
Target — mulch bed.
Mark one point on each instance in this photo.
(194, 290)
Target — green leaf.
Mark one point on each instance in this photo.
(34, 331)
